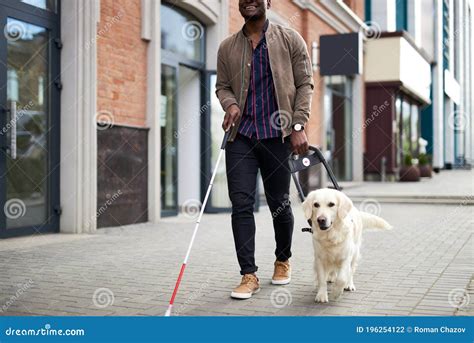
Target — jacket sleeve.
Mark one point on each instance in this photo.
(303, 76)
(223, 87)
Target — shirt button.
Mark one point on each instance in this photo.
(248, 64)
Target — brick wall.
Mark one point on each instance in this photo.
(315, 126)
(121, 85)
(122, 62)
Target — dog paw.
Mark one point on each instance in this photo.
(321, 298)
(350, 288)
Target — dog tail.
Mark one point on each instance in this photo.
(370, 221)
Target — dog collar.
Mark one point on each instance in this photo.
(308, 229)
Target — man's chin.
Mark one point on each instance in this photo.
(253, 17)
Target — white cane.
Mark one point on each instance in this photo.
(196, 228)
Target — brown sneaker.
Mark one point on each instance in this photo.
(248, 287)
(282, 273)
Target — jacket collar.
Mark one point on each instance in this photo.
(266, 27)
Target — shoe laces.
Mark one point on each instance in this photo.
(249, 278)
(282, 266)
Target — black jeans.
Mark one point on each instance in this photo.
(244, 157)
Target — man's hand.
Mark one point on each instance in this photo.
(231, 116)
(299, 142)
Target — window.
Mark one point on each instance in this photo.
(408, 118)
(406, 126)
(446, 34)
(414, 129)
(398, 142)
(338, 108)
(50, 5)
(182, 34)
(402, 15)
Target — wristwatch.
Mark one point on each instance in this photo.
(298, 127)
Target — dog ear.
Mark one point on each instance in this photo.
(308, 207)
(345, 205)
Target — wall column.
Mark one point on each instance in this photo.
(151, 31)
(78, 186)
(438, 92)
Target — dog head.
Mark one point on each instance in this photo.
(326, 206)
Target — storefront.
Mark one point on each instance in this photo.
(342, 67)
(183, 64)
(116, 116)
(397, 89)
(191, 115)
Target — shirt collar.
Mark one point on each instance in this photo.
(265, 28)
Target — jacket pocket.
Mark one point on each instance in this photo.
(306, 67)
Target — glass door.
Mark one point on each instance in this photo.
(29, 120)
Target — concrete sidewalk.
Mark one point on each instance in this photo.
(449, 186)
(422, 267)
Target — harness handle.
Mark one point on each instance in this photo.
(298, 163)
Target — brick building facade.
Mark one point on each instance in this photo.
(132, 123)
(122, 102)
(135, 122)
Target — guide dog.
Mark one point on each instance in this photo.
(337, 231)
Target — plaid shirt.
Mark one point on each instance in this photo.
(260, 117)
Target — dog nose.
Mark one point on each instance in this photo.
(321, 221)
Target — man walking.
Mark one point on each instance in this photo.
(265, 85)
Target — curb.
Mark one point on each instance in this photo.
(415, 199)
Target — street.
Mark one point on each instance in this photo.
(424, 266)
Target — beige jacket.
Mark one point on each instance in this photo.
(291, 70)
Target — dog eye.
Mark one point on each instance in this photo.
(331, 204)
(316, 205)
